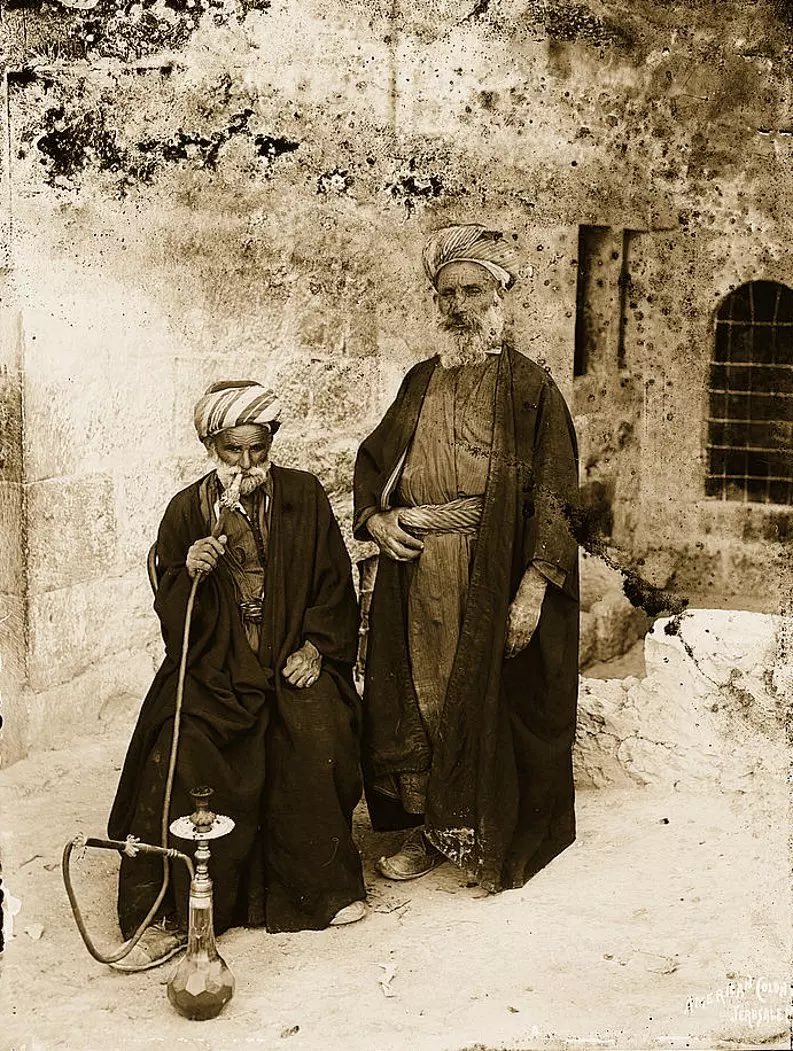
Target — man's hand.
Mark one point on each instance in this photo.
(391, 538)
(303, 667)
(203, 555)
(524, 613)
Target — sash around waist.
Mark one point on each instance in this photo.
(458, 516)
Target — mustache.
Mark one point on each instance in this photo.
(251, 478)
(462, 323)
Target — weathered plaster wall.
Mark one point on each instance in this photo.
(243, 189)
(711, 710)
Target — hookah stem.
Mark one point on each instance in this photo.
(164, 850)
(177, 718)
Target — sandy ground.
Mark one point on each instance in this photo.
(666, 925)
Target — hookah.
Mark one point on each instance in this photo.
(201, 983)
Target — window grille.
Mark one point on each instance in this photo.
(750, 426)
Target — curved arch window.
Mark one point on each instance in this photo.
(750, 426)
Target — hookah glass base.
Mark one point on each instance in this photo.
(201, 984)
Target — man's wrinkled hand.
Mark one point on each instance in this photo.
(524, 613)
(203, 555)
(391, 538)
(303, 667)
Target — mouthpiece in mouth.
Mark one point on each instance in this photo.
(230, 496)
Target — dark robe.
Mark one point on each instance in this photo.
(283, 762)
(500, 800)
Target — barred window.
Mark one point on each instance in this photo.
(750, 426)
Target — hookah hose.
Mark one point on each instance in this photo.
(132, 846)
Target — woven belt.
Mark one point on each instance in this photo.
(252, 611)
(458, 516)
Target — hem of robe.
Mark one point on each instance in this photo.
(387, 814)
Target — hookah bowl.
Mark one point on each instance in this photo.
(202, 983)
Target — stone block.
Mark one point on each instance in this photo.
(597, 580)
(15, 738)
(618, 625)
(699, 573)
(331, 460)
(71, 531)
(335, 329)
(708, 713)
(727, 647)
(331, 394)
(12, 538)
(141, 495)
(759, 573)
(73, 628)
(596, 763)
(109, 692)
(13, 671)
(95, 425)
(10, 425)
(94, 386)
(587, 639)
(13, 638)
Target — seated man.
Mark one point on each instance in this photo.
(270, 715)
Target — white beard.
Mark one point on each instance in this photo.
(467, 342)
(252, 479)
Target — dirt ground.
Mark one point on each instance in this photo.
(666, 926)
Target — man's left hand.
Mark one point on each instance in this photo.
(303, 667)
(524, 612)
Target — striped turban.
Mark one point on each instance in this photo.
(471, 243)
(233, 403)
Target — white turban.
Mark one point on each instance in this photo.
(471, 243)
(233, 403)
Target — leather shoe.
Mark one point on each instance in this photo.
(351, 913)
(416, 857)
(157, 944)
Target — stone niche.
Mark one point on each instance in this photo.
(610, 625)
(710, 712)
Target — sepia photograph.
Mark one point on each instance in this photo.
(396, 525)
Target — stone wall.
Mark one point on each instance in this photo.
(642, 406)
(13, 540)
(243, 189)
(610, 624)
(711, 711)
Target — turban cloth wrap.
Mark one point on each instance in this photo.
(470, 244)
(232, 405)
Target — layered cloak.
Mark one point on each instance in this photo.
(500, 799)
(283, 762)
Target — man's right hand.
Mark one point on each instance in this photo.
(391, 538)
(203, 555)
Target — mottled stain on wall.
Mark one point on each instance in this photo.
(74, 30)
(223, 188)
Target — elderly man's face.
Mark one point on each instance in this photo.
(471, 314)
(245, 451)
(244, 447)
(464, 289)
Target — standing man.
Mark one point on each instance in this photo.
(270, 714)
(467, 486)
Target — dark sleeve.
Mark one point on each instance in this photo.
(375, 458)
(555, 487)
(170, 603)
(331, 620)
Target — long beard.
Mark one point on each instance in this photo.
(465, 339)
(252, 479)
